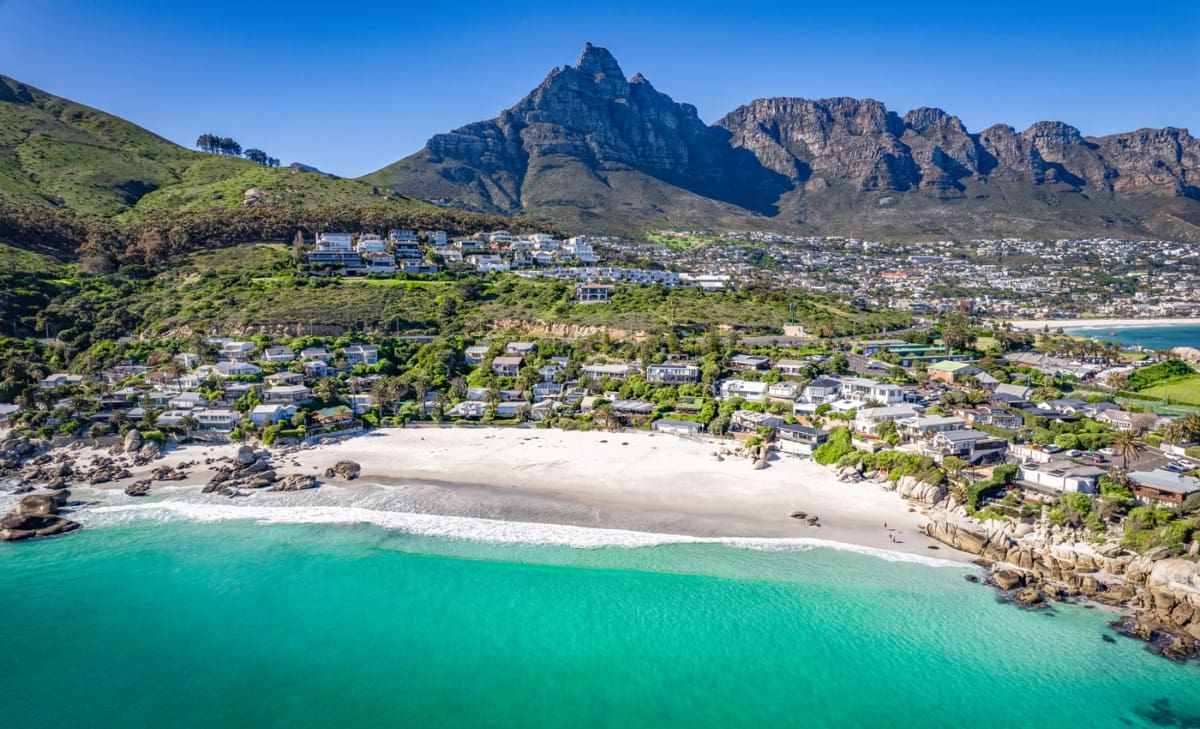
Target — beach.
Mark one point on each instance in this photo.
(1068, 324)
(632, 482)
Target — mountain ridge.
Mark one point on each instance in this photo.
(589, 148)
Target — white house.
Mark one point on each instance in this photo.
(271, 413)
(1061, 476)
(615, 370)
(320, 353)
(868, 420)
(866, 390)
(287, 394)
(748, 391)
(673, 373)
(188, 401)
(278, 354)
(821, 390)
(217, 419)
(475, 355)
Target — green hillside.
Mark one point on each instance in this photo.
(58, 153)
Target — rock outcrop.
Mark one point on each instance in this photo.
(36, 516)
(348, 470)
(296, 482)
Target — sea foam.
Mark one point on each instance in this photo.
(467, 528)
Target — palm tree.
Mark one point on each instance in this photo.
(1127, 447)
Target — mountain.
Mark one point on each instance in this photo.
(60, 154)
(589, 149)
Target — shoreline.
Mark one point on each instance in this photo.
(651, 484)
(1068, 324)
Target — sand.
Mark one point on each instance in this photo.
(1066, 324)
(636, 481)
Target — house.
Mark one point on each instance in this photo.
(865, 390)
(233, 368)
(235, 350)
(361, 402)
(468, 409)
(1020, 392)
(521, 348)
(1057, 476)
(364, 354)
(320, 353)
(475, 355)
(380, 262)
(318, 370)
(287, 394)
(821, 390)
(478, 393)
(189, 360)
(590, 293)
(799, 440)
(55, 381)
(507, 366)
(510, 395)
(543, 409)
(488, 263)
(613, 371)
(187, 401)
(269, 414)
(923, 427)
(868, 420)
(633, 410)
(951, 372)
(1119, 419)
(685, 404)
(1163, 487)
(676, 427)
(217, 419)
(283, 378)
(971, 445)
(786, 391)
(793, 367)
(875, 346)
(749, 391)
(512, 409)
(749, 363)
(278, 354)
(986, 415)
(749, 421)
(337, 416)
(172, 418)
(546, 390)
(549, 372)
(673, 373)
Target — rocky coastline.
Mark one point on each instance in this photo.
(1034, 563)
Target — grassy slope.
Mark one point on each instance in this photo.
(56, 152)
(254, 286)
(1179, 390)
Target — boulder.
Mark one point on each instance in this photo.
(969, 539)
(245, 455)
(149, 450)
(16, 527)
(1008, 579)
(348, 470)
(1028, 596)
(133, 441)
(60, 496)
(925, 493)
(138, 488)
(296, 482)
(36, 504)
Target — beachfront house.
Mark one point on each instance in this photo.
(868, 420)
(287, 394)
(924, 427)
(270, 413)
(217, 419)
(677, 427)
(973, 446)
(1054, 477)
(473, 409)
(799, 440)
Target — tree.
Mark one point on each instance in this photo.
(207, 142)
(188, 424)
(953, 466)
(298, 247)
(1127, 446)
(256, 155)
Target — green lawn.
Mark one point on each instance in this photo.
(1180, 390)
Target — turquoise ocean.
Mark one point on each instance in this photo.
(232, 623)
(1159, 337)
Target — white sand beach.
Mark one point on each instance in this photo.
(1067, 324)
(635, 481)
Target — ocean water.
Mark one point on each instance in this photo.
(1160, 337)
(160, 618)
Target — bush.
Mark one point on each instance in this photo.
(1002, 476)
(154, 435)
(838, 445)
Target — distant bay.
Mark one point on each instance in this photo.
(1149, 337)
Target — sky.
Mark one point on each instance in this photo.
(350, 87)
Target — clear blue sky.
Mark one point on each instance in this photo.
(350, 87)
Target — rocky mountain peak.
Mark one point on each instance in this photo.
(599, 62)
